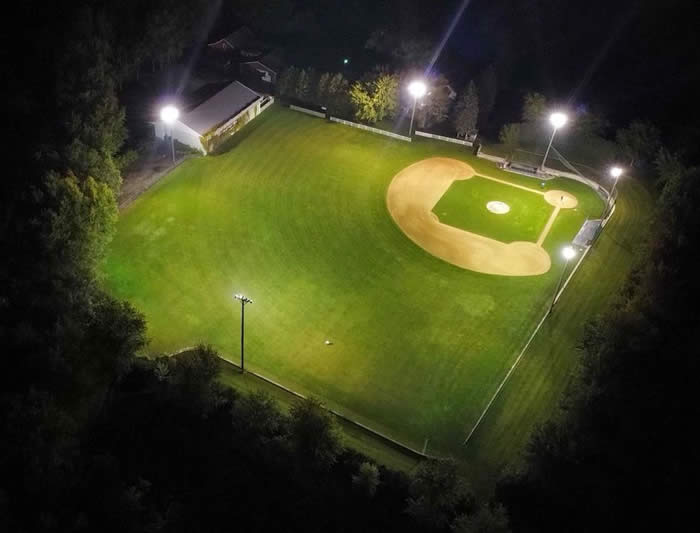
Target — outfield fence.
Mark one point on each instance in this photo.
(443, 138)
(372, 432)
(524, 350)
(307, 111)
(371, 129)
(494, 158)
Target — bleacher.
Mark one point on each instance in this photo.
(587, 233)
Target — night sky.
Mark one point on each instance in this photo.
(626, 59)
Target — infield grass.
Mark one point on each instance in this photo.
(464, 206)
(294, 216)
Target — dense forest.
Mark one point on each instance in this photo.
(95, 437)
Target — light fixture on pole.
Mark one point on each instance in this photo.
(569, 253)
(169, 114)
(417, 89)
(615, 172)
(557, 120)
(244, 300)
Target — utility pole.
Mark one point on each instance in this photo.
(244, 300)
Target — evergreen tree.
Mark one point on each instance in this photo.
(467, 111)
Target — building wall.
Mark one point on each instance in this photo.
(215, 139)
(180, 133)
(211, 141)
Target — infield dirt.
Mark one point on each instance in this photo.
(415, 190)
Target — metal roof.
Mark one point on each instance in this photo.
(225, 104)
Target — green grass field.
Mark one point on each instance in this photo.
(464, 207)
(294, 216)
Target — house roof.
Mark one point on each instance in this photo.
(260, 64)
(236, 39)
(225, 104)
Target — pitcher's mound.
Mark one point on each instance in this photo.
(561, 199)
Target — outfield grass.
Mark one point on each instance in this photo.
(294, 216)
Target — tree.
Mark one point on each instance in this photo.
(338, 95)
(363, 102)
(79, 223)
(668, 166)
(322, 88)
(534, 108)
(367, 478)
(386, 97)
(86, 91)
(467, 111)
(303, 85)
(376, 98)
(639, 142)
(287, 82)
(486, 520)
(314, 435)
(488, 92)
(509, 137)
(435, 106)
(407, 53)
(438, 494)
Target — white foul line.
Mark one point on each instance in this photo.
(522, 352)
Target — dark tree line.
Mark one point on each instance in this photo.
(622, 455)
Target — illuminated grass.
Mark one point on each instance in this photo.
(294, 216)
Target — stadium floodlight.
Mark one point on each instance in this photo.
(557, 120)
(615, 172)
(568, 252)
(244, 300)
(169, 114)
(417, 88)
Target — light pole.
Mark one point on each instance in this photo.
(615, 172)
(169, 114)
(244, 300)
(417, 89)
(569, 253)
(557, 120)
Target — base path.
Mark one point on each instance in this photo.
(411, 197)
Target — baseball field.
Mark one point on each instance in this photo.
(318, 224)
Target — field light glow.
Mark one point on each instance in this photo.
(558, 120)
(169, 114)
(417, 89)
(616, 172)
(568, 253)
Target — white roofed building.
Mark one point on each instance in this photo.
(216, 119)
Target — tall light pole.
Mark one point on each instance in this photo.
(569, 253)
(615, 172)
(169, 114)
(417, 89)
(557, 120)
(244, 300)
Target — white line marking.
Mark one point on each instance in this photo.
(505, 379)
